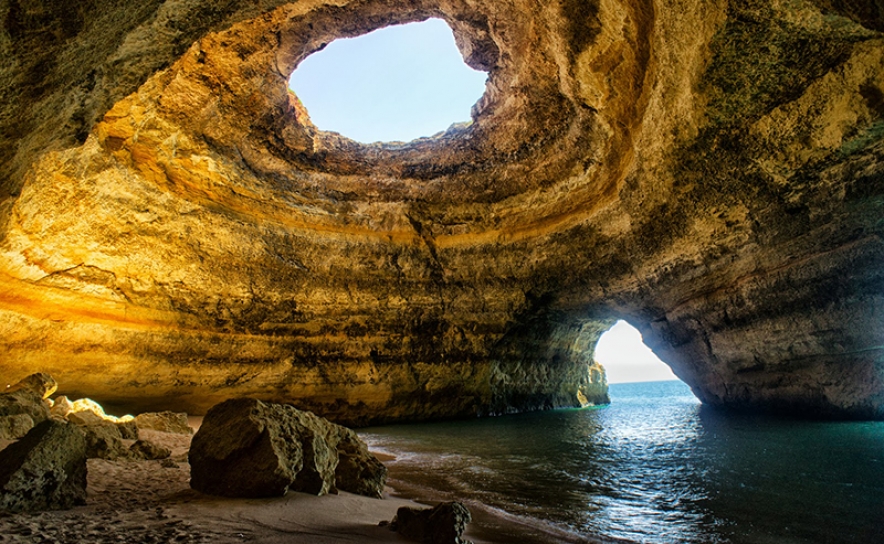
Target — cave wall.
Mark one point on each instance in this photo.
(174, 231)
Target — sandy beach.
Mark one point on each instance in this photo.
(151, 502)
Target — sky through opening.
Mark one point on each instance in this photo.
(627, 359)
(398, 83)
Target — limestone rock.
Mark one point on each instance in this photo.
(247, 448)
(103, 441)
(145, 449)
(45, 470)
(88, 408)
(87, 418)
(61, 406)
(358, 470)
(127, 427)
(22, 405)
(712, 172)
(167, 422)
(442, 524)
(39, 383)
(15, 426)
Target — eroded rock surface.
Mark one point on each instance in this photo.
(23, 406)
(145, 449)
(45, 470)
(247, 448)
(167, 422)
(442, 524)
(174, 230)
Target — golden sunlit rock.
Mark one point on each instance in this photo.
(175, 232)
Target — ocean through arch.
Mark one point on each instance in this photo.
(625, 357)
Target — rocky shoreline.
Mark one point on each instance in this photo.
(129, 496)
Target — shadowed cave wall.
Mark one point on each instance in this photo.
(174, 231)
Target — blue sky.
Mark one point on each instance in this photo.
(397, 83)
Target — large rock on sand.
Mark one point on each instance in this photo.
(248, 448)
(22, 405)
(45, 470)
(443, 524)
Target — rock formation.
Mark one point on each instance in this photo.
(174, 230)
(166, 422)
(247, 448)
(442, 524)
(45, 470)
(23, 405)
(145, 449)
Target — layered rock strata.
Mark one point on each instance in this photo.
(174, 229)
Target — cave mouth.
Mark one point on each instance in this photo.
(395, 84)
(626, 358)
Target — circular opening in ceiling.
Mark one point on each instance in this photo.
(398, 83)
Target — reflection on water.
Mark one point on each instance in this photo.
(653, 467)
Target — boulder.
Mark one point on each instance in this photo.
(145, 449)
(45, 470)
(248, 448)
(167, 422)
(84, 419)
(22, 405)
(14, 426)
(39, 383)
(358, 471)
(103, 441)
(443, 524)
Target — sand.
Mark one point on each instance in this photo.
(151, 502)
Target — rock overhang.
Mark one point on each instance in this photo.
(233, 248)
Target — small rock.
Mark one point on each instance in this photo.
(167, 422)
(61, 406)
(145, 449)
(443, 524)
(45, 470)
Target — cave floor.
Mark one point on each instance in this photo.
(145, 501)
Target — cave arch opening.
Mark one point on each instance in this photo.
(626, 358)
(395, 84)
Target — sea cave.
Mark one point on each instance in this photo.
(176, 232)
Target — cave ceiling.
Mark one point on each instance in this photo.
(175, 231)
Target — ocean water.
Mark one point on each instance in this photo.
(653, 467)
